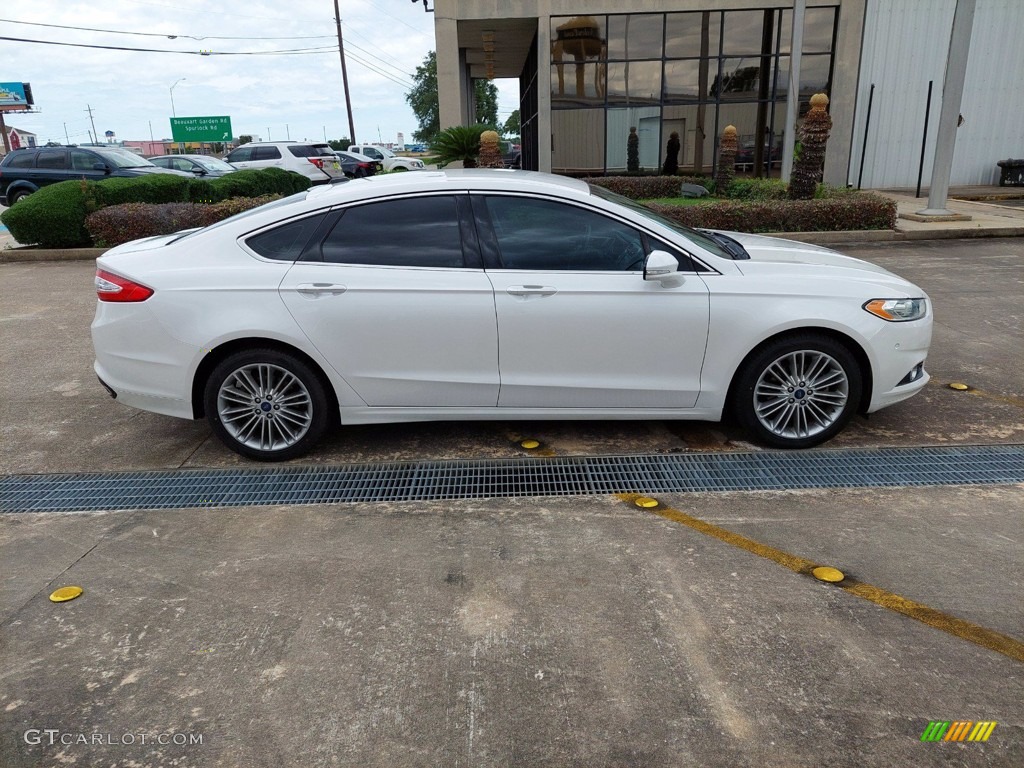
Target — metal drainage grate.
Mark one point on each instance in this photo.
(431, 480)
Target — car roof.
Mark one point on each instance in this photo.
(296, 141)
(496, 179)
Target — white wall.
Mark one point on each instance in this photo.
(905, 46)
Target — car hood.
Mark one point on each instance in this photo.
(779, 251)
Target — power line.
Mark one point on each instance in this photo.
(290, 51)
(170, 37)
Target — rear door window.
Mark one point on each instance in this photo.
(53, 158)
(413, 232)
(266, 153)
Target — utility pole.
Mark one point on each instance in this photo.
(95, 135)
(66, 137)
(344, 74)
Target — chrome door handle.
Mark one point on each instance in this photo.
(320, 289)
(531, 290)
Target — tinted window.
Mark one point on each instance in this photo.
(544, 235)
(52, 158)
(415, 232)
(266, 153)
(121, 158)
(83, 161)
(311, 150)
(240, 155)
(285, 243)
(20, 160)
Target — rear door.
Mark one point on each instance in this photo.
(396, 300)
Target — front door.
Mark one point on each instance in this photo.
(578, 325)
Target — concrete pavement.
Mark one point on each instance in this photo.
(529, 632)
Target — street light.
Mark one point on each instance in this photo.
(173, 113)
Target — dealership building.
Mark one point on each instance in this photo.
(589, 72)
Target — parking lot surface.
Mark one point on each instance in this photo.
(531, 631)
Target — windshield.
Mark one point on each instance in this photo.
(699, 238)
(122, 158)
(386, 152)
(231, 219)
(212, 164)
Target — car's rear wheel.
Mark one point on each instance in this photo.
(14, 197)
(798, 391)
(266, 404)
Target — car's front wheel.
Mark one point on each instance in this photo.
(797, 391)
(266, 404)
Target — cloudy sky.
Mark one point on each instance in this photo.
(297, 96)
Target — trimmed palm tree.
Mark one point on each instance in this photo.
(458, 143)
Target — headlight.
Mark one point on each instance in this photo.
(898, 310)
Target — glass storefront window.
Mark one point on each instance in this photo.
(739, 79)
(814, 74)
(636, 36)
(634, 81)
(577, 144)
(742, 33)
(683, 80)
(647, 121)
(819, 24)
(685, 34)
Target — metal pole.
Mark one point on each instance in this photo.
(66, 137)
(793, 95)
(3, 131)
(181, 145)
(95, 136)
(924, 138)
(344, 75)
(867, 124)
(952, 95)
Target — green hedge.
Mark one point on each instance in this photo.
(118, 224)
(54, 216)
(846, 212)
(648, 187)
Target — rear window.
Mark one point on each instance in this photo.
(20, 159)
(286, 242)
(311, 150)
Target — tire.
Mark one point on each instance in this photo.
(398, 168)
(267, 405)
(14, 197)
(797, 391)
(360, 173)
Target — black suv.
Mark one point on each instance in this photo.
(23, 171)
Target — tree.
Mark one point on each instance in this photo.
(813, 139)
(460, 143)
(244, 139)
(340, 144)
(424, 102)
(513, 128)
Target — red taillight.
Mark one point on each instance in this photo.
(317, 161)
(111, 287)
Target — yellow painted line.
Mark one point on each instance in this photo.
(1008, 399)
(965, 630)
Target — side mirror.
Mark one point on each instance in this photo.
(660, 265)
(100, 167)
(199, 171)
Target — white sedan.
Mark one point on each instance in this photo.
(496, 295)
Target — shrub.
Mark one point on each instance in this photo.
(118, 224)
(54, 216)
(458, 143)
(646, 187)
(847, 212)
(756, 189)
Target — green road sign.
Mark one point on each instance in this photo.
(201, 129)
